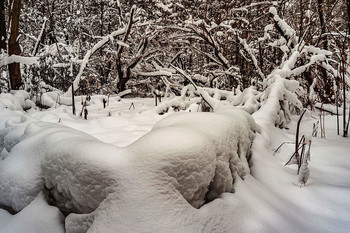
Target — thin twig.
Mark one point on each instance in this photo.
(275, 151)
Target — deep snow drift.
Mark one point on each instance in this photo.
(164, 172)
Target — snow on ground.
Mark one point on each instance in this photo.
(268, 200)
(38, 217)
(323, 204)
(115, 124)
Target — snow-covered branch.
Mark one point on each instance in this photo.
(252, 56)
(18, 59)
(36, 47)
(282, 26)
(87, 56)
(203, 33)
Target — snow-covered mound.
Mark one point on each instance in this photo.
(16, 100)
(187, 159)
(228, 135)
(24, 144)
(37, 217)
(197, 155)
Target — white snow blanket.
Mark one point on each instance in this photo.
(185, 161)
(37, 217)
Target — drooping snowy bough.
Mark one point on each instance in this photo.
(187, 159)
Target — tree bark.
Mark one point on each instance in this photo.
(323, 39)
(348, 10)
(122, 84)
(3, 36)
(121, 75)
(301, 24)
(13, 46)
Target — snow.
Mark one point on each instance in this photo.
(18, 59)
(16, 100)
(212, 164)
(166, 8)
(37, 217)
(320, 206)
(288, 31)
(132, 170)
(230, 140)
(155, 73)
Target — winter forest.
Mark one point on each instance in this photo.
(186, 116)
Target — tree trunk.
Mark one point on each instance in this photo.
(323, 39)
(301, 24)
(122, 84)
(348, 10)
(2, 26)
(14, 49)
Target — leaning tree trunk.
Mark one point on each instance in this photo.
(13, 46)
(2, 26)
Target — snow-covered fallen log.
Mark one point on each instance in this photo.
(186, 160)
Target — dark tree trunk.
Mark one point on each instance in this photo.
(301, 24)
(346, 125)
(327, 83)
(323, 37)
(14, 49)
(348, 10)
(122, 79)
(122, 84)
(2, 26)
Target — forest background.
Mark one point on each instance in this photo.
(107, 47)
